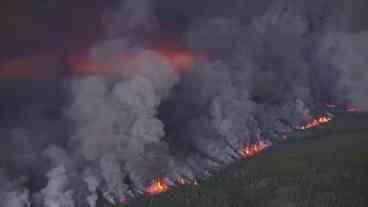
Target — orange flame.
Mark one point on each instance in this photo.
(252, 149)
(317, 121)
(157, 186)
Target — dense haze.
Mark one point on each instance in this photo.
(91, 109)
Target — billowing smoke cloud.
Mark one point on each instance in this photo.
(116, 123)
(266, 72)
(12, 194)
(346, 53)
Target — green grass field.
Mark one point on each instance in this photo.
(326, 166)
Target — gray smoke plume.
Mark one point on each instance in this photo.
(116, 124)
(12, 194)
(346, 53)
(266, 71)
(55, 192)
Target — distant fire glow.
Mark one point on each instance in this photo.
(351, 109)
(346, 108)
(123, 200)
(180, 59)
(330, 105)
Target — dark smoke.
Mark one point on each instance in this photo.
(270, 65)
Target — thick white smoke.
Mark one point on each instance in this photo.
(138, 119)
(55, 194)
(116, 119)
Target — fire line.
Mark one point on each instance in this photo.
(159, 185)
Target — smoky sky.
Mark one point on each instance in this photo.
(45, 32)
(267, 67)
(56, 26)
(37, 25)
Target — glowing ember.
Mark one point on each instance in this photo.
(252, 149)
(351, 109)
(346, 108)
(156, 187)
(123, 200)
(318, 120)
(284, 137)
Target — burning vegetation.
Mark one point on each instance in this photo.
(160, 185)
(136, 109)
(157, 186)
(327, 117)
(317, 121)
(252, 149)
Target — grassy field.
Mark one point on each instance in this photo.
(326, 166)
